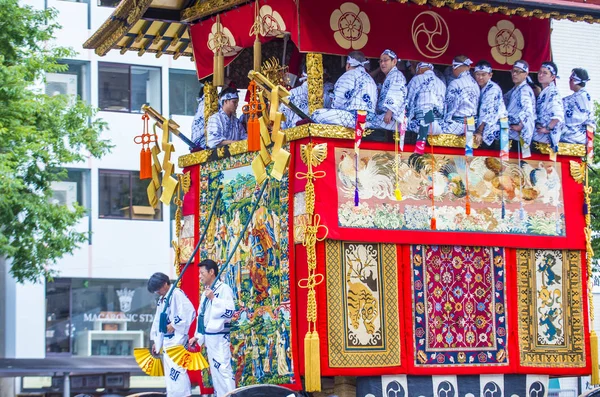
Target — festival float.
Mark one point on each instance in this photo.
(420, 268)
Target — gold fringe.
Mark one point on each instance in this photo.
(594, 348)
(314, 372)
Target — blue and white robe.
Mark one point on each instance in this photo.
(180, 314)
(217, 325)
(355, 90)
(579, 113)
(299, 97)
(425, 92)
(491, 110)
(224, 128)
(520, 104)
(392, 97)
(462, 101)
(198, 132)
(328, 89)
(549, 106)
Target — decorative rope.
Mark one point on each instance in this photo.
(312, 357)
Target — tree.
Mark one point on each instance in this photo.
(38, 134)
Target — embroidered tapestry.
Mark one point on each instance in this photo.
(259, 272)
(459, 302)
(362, 305)
(551, 318)
(530, 190)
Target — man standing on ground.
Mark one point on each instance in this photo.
(216, 319)
(180, 315)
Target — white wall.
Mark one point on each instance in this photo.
(577, 45)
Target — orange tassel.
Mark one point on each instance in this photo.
(468, 206)
(433, 224)
(253, 135)
(145, 164)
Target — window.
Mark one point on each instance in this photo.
(98, 317)
(124, 196)
(183, 91)
(108, 3)
(74, 188)
(125, 88)
(73, 81)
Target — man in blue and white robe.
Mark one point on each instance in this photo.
(520, 104)
(462, 97)
(224, 127)
(579, 110)
(218, 313)
(391, 105)
(180, 315)
(549, 108)
(425, 92)
(299, 97)
(491, 105)
(355, 90)
(198, 125)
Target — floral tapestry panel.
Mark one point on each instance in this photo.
(362, 320)
(459, 303)
(259, 270)
(300, 217)
(551, 316)
(530, 190)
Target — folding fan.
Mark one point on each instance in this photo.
(188, 359)
(150, 363)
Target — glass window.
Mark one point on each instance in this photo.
(73, 81)
(183, 92)
(105, 317)
(108, 3)
(125, 88)
(123, 196)
(74, 188)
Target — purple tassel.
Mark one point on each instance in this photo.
(356, 197)
(585, 209)
(522, 214)
(503, 210)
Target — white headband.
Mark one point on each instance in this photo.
(228, 96)
(577, 80)
(483, 68)
(390, 53)
(551, 69)
(354, 62)
(522, 66)
(424, 65)
(457, 64)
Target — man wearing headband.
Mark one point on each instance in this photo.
(462, 97)
(224, 127)
(549, 108)
(355, 90)
(180, 315)
(520, 104)
(579, 111)
(425, 92)
(198, 133)
(391, 105)
(491, 105)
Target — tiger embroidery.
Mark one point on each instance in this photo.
(361, 304)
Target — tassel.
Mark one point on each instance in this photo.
(433, 223)
(308, 360)
(398, 194)
(521, 213)
(503, 210)
(253, 135)
(594, 348)
(145, 164)
(356, 200)
(257, 55)
(315, 363)
(219, 77)
(585, 209)
(468, 206)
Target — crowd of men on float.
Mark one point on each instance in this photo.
(454, 97)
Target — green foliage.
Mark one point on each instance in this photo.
(38, 134)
